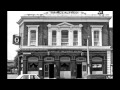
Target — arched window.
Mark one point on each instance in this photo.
(64, 37)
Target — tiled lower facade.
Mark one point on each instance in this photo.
(69, 65)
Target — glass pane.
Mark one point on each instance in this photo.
(33, 35)
(64, 44)
(96, 43)
(53, 39)
(75, 32)
(84, 67)
(46, 74)
(96, 39)
(64, 32)
(32, 42)
(75, 39)
(75, 43)
(54, 33)
(64, 36)
(46, 67)
(53, 43)
(54, 36)
(64, 40)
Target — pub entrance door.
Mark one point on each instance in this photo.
(79, 70)
(48, 70)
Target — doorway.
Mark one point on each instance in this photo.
(79, 70)
(49, 70)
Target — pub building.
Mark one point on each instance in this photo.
(54, 44)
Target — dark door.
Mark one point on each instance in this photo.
(79, 70)
(51, 70)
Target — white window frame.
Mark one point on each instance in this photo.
(62, 29)
(97, 28)
(52, 38)
(65, 26)
(32, 27)
(78, 39)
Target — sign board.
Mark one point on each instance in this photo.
(66, 51)
(16, 40)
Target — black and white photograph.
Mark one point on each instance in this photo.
(59, 44)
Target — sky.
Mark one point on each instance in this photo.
(13, 28)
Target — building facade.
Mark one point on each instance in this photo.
(54, 45)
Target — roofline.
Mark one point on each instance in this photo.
(56, 18)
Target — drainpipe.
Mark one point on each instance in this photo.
(88, 62)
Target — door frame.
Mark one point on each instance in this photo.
(48, 69)
(81, 68)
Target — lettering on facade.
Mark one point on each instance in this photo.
(62, 51)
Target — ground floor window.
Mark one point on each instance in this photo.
(65, 66)
(33, 66)
(97, 68)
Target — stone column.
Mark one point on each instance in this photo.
(19, 65)
(80, 35)
(57, 67)
(40, 68)
(49, 35)
(100, 37)
(24, 65)
(73, 68)
(70, 36)
(58, 37)
(108, 61)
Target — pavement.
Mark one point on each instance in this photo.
(12, 76)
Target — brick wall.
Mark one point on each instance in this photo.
(86, 30)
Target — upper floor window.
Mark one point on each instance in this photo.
(75, 38)
(53, 37)
(96, 35)
(96, 38)
(64, 37)
(32, 37)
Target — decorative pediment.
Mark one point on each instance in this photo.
(65, 24)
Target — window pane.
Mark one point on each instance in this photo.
(53, 43)
(75, 34)
(96, 39)
(64, 32)
(75, 39)
(53, 39)
(75, 43)
(54, 33)
(64, 36)
(33, 35)
(64, 44)
(96, 43)
(64, 40)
